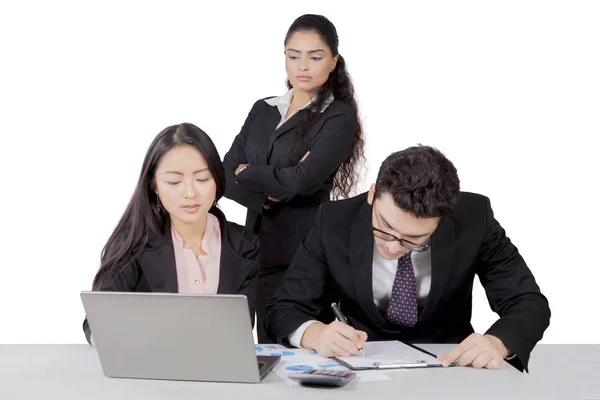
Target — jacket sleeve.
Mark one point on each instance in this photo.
(247, 196)
(124, 280)
(331, 146)
(303, 293)
(512, 293)
(250, 286)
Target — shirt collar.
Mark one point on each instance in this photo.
(283, 102)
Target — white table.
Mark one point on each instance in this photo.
(73, 372)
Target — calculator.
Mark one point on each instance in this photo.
(323, 377)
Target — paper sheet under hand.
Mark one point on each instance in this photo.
(389, 351)
(299, 360)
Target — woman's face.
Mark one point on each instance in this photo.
(185, 185)
(308, 61)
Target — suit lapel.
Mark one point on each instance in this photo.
(234, 271)
(158, 264)
(257, 145)
(442, 252)
(286, 127)
(271, 122)
(361, 261)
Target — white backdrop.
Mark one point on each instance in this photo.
(510, 91)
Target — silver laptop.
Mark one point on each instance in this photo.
(175, 336)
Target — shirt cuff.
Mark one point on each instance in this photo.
(241, 169)
(296, 337)
(513, 355)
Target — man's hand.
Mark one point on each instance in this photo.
(335, 339)
(480, 351)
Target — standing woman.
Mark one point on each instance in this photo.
(295, 151)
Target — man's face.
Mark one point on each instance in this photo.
(390, 223)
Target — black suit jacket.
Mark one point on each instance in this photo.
(274, 170)
(335, 263)
(154, 269)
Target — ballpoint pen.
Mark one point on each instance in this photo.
(401, 364)
(408, 364)
(340, 317)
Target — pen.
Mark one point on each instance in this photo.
(401, 364)
(340, 317)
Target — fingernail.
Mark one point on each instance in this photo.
(445, 363)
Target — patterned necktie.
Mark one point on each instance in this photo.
(403, 309)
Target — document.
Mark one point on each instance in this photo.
(389, 355)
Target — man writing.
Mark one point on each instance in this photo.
(401, 260)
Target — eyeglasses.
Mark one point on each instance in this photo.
(388, 237)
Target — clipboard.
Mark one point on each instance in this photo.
(417, 357)
(391, 365)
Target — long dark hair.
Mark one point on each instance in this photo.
(340, 86)
(144, 216)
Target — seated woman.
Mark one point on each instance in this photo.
(172, 237)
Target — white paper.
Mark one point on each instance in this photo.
(299, 360)
(388, 352)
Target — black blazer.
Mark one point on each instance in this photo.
(274, 170)
(335, 263)
(154, 269)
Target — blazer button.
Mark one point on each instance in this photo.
(196, 281)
